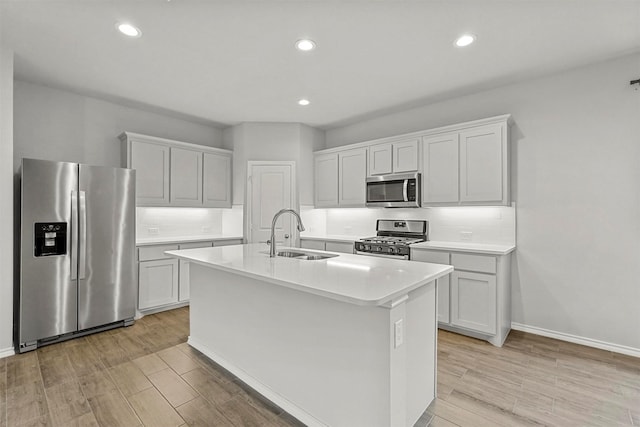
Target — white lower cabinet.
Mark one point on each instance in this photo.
(163, 282)
(158, 283)
(327, 245)
(475, 299)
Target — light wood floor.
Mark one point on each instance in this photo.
(147, 375)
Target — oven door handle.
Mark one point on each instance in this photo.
(405, 190)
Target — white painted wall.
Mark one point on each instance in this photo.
(273, 141)
(576, 180)
(53, 124)
(6, 201)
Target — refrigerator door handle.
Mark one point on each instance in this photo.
(82, 261)
(74, 235)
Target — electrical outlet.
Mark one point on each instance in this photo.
(153, 230)
(206, 229)
(466, 235)
(399, 333)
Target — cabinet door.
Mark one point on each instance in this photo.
(483, 165)
(473, 301)
(405, 156)
(151, 162)
(217, 181)
(440, 168)
(352, 175)
(380, 159)
(158, 283)
(326, 180)
(186, 177)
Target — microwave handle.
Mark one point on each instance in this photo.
(405, 194)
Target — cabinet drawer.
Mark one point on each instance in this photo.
(481, 263)
(312, 244)
(195, 245)
(149, 253)
(437, 257)
(345, 248)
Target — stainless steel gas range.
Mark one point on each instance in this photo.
(393, 238)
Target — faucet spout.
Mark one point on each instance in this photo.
(272, 242)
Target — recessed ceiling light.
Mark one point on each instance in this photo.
(465, 40)
(304, 102)
(129, 30)
(305, 45)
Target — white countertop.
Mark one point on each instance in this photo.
(356, 279)
(485, 248)
(159, 240)
(330, 237)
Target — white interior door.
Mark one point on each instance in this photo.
(270, 187)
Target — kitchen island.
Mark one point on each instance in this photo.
(343, 341)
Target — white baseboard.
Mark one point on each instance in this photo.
(616, 348)
(282, 402)
(6, 352)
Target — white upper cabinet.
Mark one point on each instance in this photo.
(217, 180)
(352, 175)
(174, 173)
(380, 159)
(326, 180)
(151, 162)
(483, 164)
(461, 164)
(394, 157)
(467, 164)
(405, 156)
(340, 178)
(186, 177)
(440, 168)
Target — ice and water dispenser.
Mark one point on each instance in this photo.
(50, 238)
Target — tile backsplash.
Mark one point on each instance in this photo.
(486, 224)
(171, 222)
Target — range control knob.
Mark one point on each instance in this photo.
(379, 248)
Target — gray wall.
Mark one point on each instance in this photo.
(6, 201)
(274, 141)
(59, 125)
(576, 179)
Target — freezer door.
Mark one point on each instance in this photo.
(107, 279)
(48, 293)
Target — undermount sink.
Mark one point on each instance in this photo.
(305, 255)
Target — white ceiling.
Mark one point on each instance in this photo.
(226, 62)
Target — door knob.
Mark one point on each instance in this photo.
(286, 236)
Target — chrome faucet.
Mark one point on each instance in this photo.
(272, 241)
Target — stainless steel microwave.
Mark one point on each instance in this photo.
(394, 191)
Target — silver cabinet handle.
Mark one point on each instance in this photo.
(82, 261)
(74, 235)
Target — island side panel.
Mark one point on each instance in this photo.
(324, 361)
(421, 341)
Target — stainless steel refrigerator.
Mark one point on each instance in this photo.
(77, 263)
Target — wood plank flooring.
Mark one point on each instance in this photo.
(146, 375)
